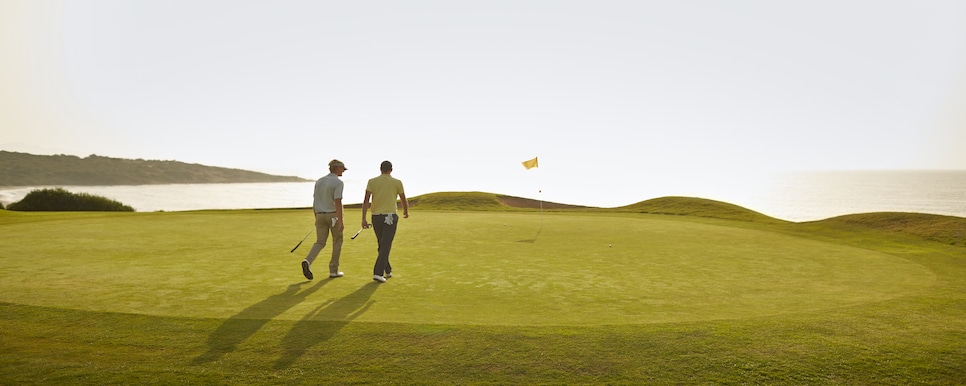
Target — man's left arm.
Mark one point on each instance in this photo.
(405, 205)
(338, 214)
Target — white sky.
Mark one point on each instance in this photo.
(615, 97)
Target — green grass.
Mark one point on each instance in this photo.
(583, 296)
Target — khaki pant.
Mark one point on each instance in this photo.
(323, 226)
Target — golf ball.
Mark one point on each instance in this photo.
(610, 245)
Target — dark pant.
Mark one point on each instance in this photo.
(385, 233)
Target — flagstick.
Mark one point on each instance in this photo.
(533, 164)
(541, 207)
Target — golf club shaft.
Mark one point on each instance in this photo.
(357, 234)
(300, 242)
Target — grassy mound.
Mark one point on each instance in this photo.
(944, 229)
(61, 200)
(457, 201)
(482, 201)
(528, 203)
(699, 207)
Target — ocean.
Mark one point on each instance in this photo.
(802, 196)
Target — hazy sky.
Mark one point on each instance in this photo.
(615, 97)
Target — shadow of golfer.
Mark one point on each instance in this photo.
(246, 323)
(323, 323)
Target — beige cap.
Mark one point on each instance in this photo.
(336, 162)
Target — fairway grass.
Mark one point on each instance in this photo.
(492, 297)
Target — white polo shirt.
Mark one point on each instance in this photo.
(327, 189)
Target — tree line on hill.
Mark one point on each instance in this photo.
(22, 169)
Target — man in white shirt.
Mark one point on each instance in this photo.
(327, 208)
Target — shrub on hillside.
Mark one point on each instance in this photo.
(60, 199)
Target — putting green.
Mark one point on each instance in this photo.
(450, 268)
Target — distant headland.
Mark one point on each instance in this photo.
(23, 169)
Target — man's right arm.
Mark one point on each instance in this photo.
(365, 208)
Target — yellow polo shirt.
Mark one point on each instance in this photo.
(384, 191)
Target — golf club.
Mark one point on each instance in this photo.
(300, 242)
(357, 234)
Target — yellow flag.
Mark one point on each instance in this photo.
(530, 164)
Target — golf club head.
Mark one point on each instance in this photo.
(357, 234)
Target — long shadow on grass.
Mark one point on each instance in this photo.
(534, 239)
(247, 322)
(323, 323)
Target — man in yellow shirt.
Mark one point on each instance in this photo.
(383, 191)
